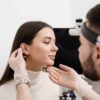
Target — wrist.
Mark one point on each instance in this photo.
(20, 73)
(82, 88)
(21, 77)
(21, 82)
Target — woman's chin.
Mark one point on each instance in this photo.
(50, 64)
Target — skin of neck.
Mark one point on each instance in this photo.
(30, 65)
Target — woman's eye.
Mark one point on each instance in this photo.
(46, 42)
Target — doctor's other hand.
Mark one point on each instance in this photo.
(65, 76)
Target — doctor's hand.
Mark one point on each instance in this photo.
(66, 77)
(16, 60)
(18, 65)
(69, 78)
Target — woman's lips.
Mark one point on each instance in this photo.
(52, 57)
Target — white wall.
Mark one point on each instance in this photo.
(79, 9)
(14, 12)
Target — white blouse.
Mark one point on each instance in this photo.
(42, 88)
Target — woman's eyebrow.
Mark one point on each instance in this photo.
(50, 38)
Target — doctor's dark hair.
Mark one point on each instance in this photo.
(93, 16)
(25, 34)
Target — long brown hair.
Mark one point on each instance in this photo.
(25, 34)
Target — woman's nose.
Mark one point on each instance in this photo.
(55, 48)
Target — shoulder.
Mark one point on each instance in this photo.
(8, 84)
(8, 88)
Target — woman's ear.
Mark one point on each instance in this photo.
(24, 48)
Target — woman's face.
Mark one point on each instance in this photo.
(42, 51)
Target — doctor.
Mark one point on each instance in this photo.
(89, 55)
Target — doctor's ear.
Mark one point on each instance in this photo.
(98, 51)
(24, 48)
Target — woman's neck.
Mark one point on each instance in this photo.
(33, 67)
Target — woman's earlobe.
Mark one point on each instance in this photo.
(24, 48)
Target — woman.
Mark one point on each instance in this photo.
(37, 41)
